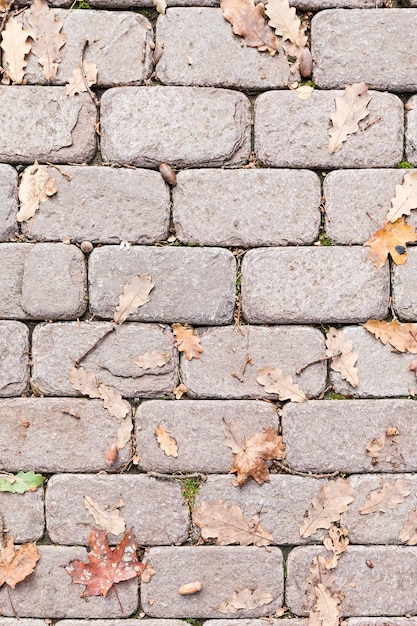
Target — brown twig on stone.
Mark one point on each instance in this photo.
(323, 358)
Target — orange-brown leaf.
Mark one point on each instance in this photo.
(392, 240)
(16, 565)
(166, 442)
(187, 342)
(402, 337)
(326, 508)
(248, 21)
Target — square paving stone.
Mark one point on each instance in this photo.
(14, 363)
(23, 515)
(8, 202)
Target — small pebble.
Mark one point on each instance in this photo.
(86, 247)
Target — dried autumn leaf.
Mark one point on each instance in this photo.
(252, 454)
(248, 21)
(135, 294)
(186, 341)
(296, 51)
(111, 521)
(405, 199)
(3, 6)
(276, 381)
(321, 575)
(284, 19)
(151, 359)
(245, 599)
(340, 348)
(402, 337)
(16, 565)
(326, 508)
(106, 566)
(384, 448)
(388, 496)
(336, 542)
(326, 607)
(21, 482)
(392, 240)
(166, 442)
(180, 391)
(113, 402)
(160, 6)
(351, 108)
(124, 431)
(83, 76)
(46, 36)
(86, 383)
(15, 46)
(304, 92)
(228, 525)
(408, 533)
(36, 186)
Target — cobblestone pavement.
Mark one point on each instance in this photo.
(259, 246)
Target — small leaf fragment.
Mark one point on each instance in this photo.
(392, 240)
(334, 499)
(109, 520)
(388, 496)
(408, 533)
(284, 19)
(15, 46)
(343, 360)
(245, 599)
(350, 109)
(405, 199)
(160, 6)
(276, 381)
(248, 21)
(187, 342)
(21, 482)
(336, 542)
(402, 337)
(166, 442)
(124, 431)
(304, 92)
(36, 186)
(82, 77)
(135, 294)
(152, 359)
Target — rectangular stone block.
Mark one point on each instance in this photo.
(231, 360)
(191, 285)
(197, 426)
(187, 37)
(8, 202)
(11, 621)
(119, 622)
(65, 127)
(380, 60)
(23, 515)
(14, 363)
(290, 132)
(57, 435)
(222, 570)
(57, 346)
(154, 509)
(411, 131)
(332, 435)
(257, 622)
(49, 591)
(312, 285)
(258, 207)
(103, 205)
(381, 621)
(358, 581)
(182, 126)
(316, 5)
(404, 295)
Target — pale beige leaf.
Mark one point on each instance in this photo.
(135, 294)
(408, 533)
(294, 51)
(402, 337)
(124, 431)
(344, 358)
(179, 391)
(228, 525)
(85, 382)
(160, 6)
(327, 606)
(284, 19)
(276, 381)
(248, 21)
(111, 521)
(388, 496)
(384, 449)
(320, 573)
(154, 358)
(36, 186)
(304, 92)
(245, 599)
(15, 46)
(166, 442)
(81, 77)
(46, 36)
(187, 342)
(334, 499)
(336, 542)
(405, 199)
(113, 401)
(350, 109)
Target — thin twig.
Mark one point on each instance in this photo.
(94, 346)
(64, 174)
(323, 358)
(118, 600)
(374, 220)
(87, 86)
(71, 413)
(176, 476)
(289, 470)
(11, 603)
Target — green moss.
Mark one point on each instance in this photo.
(82, 4)
(309, 83)
(190, 491)
(325, 240)
(405, 165)
(332, 395)
(194, 622)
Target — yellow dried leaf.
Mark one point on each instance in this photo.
(402, 337)
(135, 294)
(109, 520)
(405, 199)
(36, 186)
(392, 240)
(326, 508)
(166, 442)
(248, 21)
(46, 36)
(344, 358)
(15, 46)
(351, 108)
(82, 75)
(284, 19)
(276, 381)
(187, 342)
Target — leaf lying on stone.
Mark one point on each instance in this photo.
(21, 482)
(340, 348)
(388, 496)
(334, 499)
(160, 6)
(391, 240)
(15, 46)
(109, 520)
(402, 337)
(47, 38)
(405, 199)
(276, 381)
(16, 565)
(284, 19)
(384, 449)
(304, 92)
(82, 77)
(151, 359)
(336, 542)
(350, 109)
(166, 442)
(245, 599)
(227, 525)
(323, 595)
(179, 391)
(124, 432)
(36, 186)
(408, 533)
(135, 294)
(326, 609)
(248, 21)
(187, 342)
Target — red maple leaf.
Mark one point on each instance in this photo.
(107, 565)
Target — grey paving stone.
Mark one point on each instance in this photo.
(315, 5)
(197, 426)
(227, 353)
(184, 291)
(223, 570)
(411, 131)
(11, 621)
(154, 509)
(103, 205)
(404, 298)
(118, 622)
(23, 515)
(55, 440)
(119, 43)
(358, 581)
(56, 346)
(49, 591)
(64, 126)
(337, 63)
(381, 621)
(381, 371)
(312, 285)
(183, 126)
(14, 363)
(187, 37)
(351, 194)
(332, 435)
(290, 132)
(256, 622)
(250, 207)
(12, 262)
(8, 202)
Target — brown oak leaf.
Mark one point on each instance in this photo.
(245, 599)
(336, 542)
(166, 442)
(402, 337)
(350, 109)
(326, 508)
(46, 36)
(186, 341)
(15, 46)
(405, 199)
(391, 240)
(82, 77)
(408, 533)
(343, 359)
(284, 19)
(248, 21)
(36, 186)
(276, 381)
(388, 496)
(16, 565)
(135, 294)
(384, 449)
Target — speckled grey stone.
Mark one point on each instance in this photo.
(8, 202)
(381, 621)
(23, 515)
(11, 621)
(411, 131)
(14, 362)
(12, 262)
(120, 622)
(404, 285)
(182, 126)
(256, 622)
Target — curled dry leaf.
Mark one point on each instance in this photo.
(334, 499)
(160, 6)
(15, 46)
(405, 199)
(154, 358)
(245, 599)
(276, 381)
(47, 38)
(284, 19)
(388, 496)
(336, 542)
(384, 449)
(340, 348)
(166, 442)
(16, 565)
(82, 77)
(135, 294)
(408, 533)
(36, 186)
(402, 337)
(391, 240)
(3, 6)
(350, 109)
(109, 520)
(248, 21)
(228, 525)
(187, 342)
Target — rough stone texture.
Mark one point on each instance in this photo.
(358, 581)
(104, 205)
(226, 351)
(187, 38)
(404, 284)
(197, 426)
(192, 285)
(12, 262)
(332, 435)
(411, 131)
(337, 63)
(154, 509)
(23, 515)
(57, 346)
(290, 132)
(8, 202)
(351, 194)
(315, 5)
(183, 126)
(119, 43)
(381, 621)
(313, 285)
(51, 593)
(302, 5)
(381, 370)
(225, 569)
(11, 621)
(120, 622)
(55, 440)
(14, 350)
(257, 622)
(44, 124)
(250, 207)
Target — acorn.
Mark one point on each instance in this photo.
(306, 63)
(168, 174)
(111, 454)
(190, 588)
